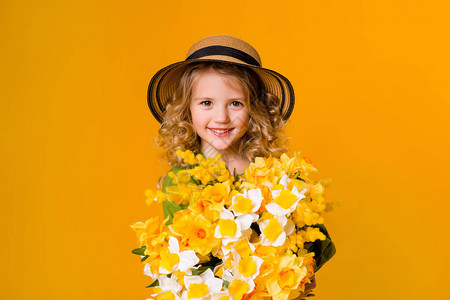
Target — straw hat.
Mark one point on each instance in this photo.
(220, 48)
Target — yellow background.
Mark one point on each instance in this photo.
(371, 81)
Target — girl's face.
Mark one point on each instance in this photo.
(219, 112)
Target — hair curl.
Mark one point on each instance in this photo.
(264, 135)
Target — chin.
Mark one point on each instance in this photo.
(219, 147)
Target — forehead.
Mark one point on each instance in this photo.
(213, 80)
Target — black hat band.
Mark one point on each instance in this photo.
(225, 51)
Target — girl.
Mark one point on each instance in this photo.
(221, 100)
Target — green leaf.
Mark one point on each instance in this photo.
(139, 251)
(169, 208)
(323, 250)
(226, 284)
(155, 283)
(214, 261)
(144, 258)
(199, 270)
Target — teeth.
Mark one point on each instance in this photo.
(220, 131)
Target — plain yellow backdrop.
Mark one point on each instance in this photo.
(77, 152)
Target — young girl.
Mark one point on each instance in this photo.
(221, 100)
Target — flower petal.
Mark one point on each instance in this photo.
(188, 259)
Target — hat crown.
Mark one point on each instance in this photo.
(224, 48)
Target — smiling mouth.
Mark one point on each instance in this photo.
(220, 132)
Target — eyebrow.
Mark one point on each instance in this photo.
(208, 98)
(202, 98)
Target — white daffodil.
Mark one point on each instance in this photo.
(272, 231)
(285, 201)
(168, 286)
(176, 260)
(284, 180)
(148, 272)
(229, 228)
(247, 267)
(203, 286)
(238, 286)
(247, 203)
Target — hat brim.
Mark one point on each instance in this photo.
(163, 84)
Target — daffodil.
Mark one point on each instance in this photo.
(247, 203)
(243, 247)
(203, 286)
(175, 259)
(311, 234)
(201, 237)
(168, 289)
(286, 278)
(152, 232)
(291, 165)
(187, 156)
(153, 196)
(216, 195)
(182, 193)
(257, 173)
(229, 228)
(238, 287)
(284, 201)
(148, 272)
(274, 230)
(248, 267)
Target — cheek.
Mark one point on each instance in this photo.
(245, 120)
(196, 116)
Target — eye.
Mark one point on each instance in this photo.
(237, 104)
(206, 103)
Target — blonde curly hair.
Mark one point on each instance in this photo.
(264, 135)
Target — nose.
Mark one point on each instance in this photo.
(221, 115)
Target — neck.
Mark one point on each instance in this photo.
(231, 157)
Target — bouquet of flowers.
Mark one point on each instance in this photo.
(235, 237)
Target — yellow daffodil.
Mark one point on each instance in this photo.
(195, 231)
(205, 208)
(153, 196)
(216, 195)
(286, 277)
(152, 232)
(201, 237)
(311, 234)
(187, 156)
(182, 193)
(243, 247)
(265, 251)
(239, 287)
(257, 173)
(291, 165)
